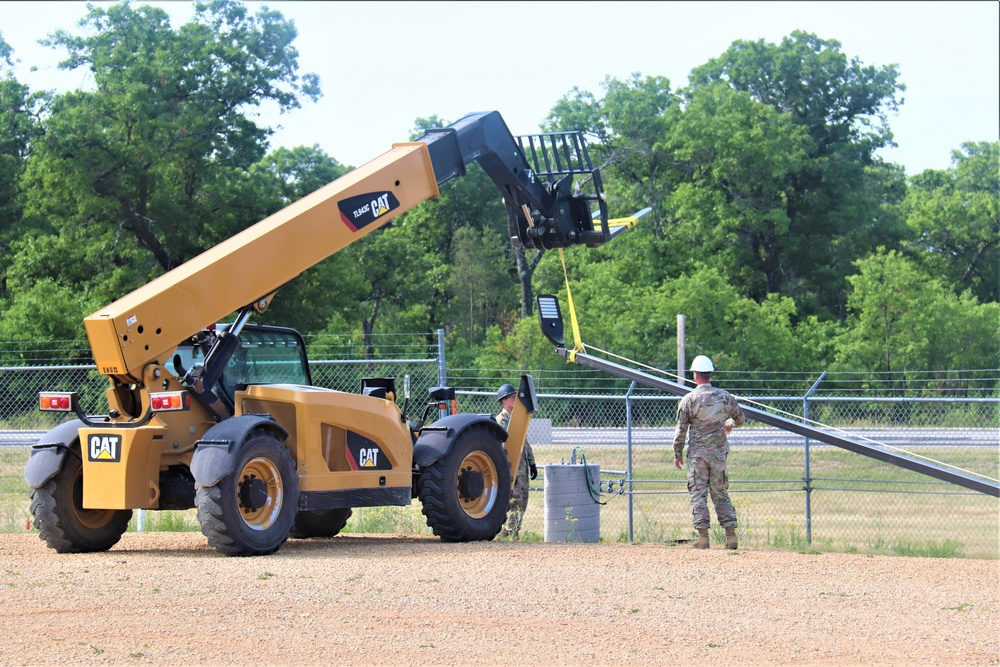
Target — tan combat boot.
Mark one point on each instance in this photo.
(702, 541)
(731, 538)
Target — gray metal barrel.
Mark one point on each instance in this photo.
(572, 513)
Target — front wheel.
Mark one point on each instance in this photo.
(61, 519)
(466, 493)
(250, 511)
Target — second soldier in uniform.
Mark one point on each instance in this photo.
(527, 469)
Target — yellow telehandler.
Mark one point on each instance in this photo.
(225, 419)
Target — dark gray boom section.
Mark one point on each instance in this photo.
(550, 319)
(549, 200)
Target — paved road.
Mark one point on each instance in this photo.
(19, 438)
(753, 437)
(773, 437)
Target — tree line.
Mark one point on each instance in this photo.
(777, 230)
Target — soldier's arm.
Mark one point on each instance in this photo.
(736, 417)
(680, 431)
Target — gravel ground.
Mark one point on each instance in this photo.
(168, 598)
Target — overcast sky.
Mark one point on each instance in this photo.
(384, 64)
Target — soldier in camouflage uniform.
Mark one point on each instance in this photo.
(527, 469)
(710, 414)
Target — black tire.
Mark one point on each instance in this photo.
(250, 511)
(466, 493)
(319, 523)
(61, 520)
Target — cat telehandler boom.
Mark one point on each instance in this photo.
(224, 418)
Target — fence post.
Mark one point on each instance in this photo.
(808, 478)
(628, 442)
(442, 371)
(681, 363)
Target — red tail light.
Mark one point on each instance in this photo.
(170, 400)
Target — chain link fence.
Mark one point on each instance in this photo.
(789, 492)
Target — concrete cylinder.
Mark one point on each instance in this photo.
(571, 512)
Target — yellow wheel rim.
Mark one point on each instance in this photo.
(478, 484)
(260, 492)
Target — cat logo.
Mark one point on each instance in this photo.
(368, 458)
(365, 454)
(380, 206)
(104, 447)
(361, 210)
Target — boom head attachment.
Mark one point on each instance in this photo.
(577, 213)
(552, 191)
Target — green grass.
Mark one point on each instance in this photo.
(166, 521)
(858, 505)
(391, 520)
(15, 504)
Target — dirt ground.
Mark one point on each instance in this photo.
(169, 599)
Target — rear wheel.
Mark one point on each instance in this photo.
(61, 519)
(466, 493)
(250, 511)
(320, 523)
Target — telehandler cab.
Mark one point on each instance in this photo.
(225, 419)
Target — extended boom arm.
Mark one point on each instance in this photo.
(242, 273)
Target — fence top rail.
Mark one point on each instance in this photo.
(312, 362)
(349, 362)
(623, 396)
(897, 399)
(73, 367)
(759, 399)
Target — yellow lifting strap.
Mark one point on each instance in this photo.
(615, 226)
(627, 223)
(577, 343)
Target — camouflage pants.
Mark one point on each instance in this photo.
(706, 475)
(518, 501)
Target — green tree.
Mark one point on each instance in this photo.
(402, 281)
(516, 348)
(840, 196)
(639, 322)
(480, 279)
(39, 314)
(740, 160)
(955, 215)
(325, 295)
(19, 126)
(902, 321)
(408, 263)
(626, 127)
(297, 172)
(764, 167)
(842, 103)
(152, 165)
